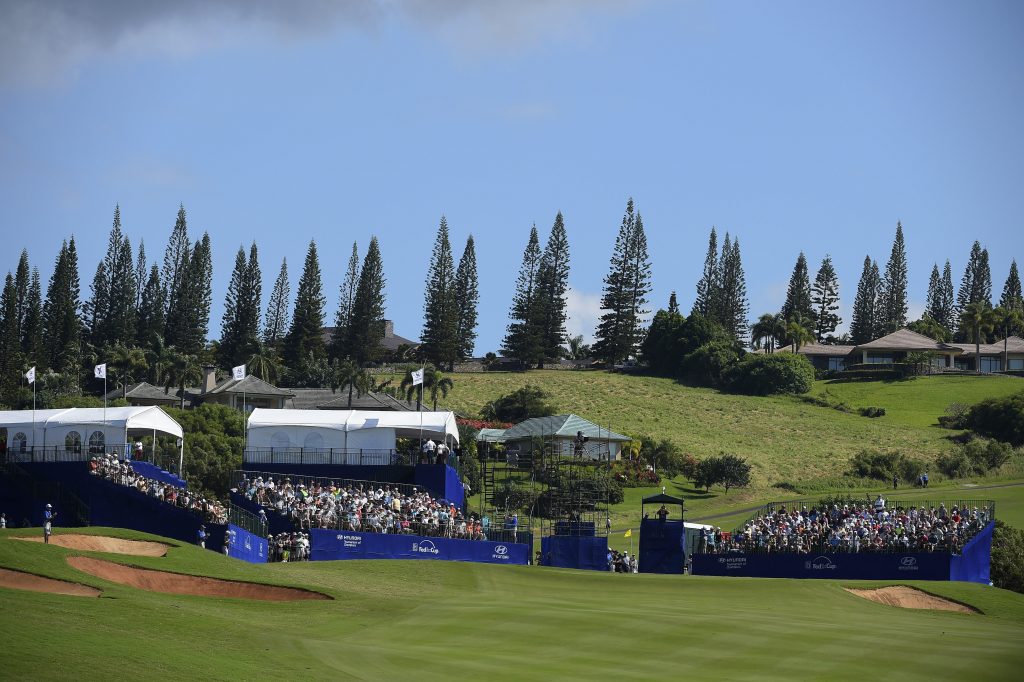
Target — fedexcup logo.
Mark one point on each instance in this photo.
(425, 547)
(820, 563)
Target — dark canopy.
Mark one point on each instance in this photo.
(662, 498)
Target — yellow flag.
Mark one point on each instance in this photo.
(628, 533)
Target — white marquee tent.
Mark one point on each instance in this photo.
(53, 428)
(345, 429)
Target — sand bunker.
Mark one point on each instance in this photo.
(36, 583)
(100, 543)
(176, 583)
(910, 598)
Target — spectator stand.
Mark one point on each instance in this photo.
(510, 488)
(662, 534)
(870, 540)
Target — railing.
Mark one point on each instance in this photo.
(53, 454)
(321, 456)
(238, 477)
(246, 520)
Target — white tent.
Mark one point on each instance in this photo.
(52, 428)
(345, 429)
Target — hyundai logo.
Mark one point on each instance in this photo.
(501, 549)
(908, 561)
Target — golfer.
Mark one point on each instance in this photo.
(48, 516)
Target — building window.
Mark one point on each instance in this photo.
(991, 364)
(880, 359)
(73, 442)
(1015, 363)
(20, 442)
(97, 442)
(836, 364)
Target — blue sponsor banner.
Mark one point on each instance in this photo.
(247, 546)
(911, 566)
(332, 545)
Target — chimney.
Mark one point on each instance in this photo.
(209, 379)
(389, 329)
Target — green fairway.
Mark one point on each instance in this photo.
(784, 438)
(437, 620)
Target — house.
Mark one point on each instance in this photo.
(330, 399)
(391, 343)
(145, 394)
(823, 357)
(252, 391)
(990, 355)
(561, 430)
(894, 347)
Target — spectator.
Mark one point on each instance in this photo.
(48, 516)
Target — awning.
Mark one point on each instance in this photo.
(150, 418)
(405, 424)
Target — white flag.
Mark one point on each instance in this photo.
(31, 375)
(238, 372)
(100, 371)
(417, 377)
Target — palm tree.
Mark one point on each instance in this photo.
(183, 369)
(263, 362)
(979, 319)
(799, 330)
(347, 372)
(767, 331)
(577, 349)
(160, 357)
(127, 363)
(434, 382)
(1007, 319)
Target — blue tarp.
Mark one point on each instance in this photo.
(661, 546)
(573, 551)
(974, 564)
(247, 546)
(157, 474)
(910, 566)
(331, 545)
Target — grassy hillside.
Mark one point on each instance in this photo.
(784, 438)
(437, 620)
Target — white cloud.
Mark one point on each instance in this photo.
(583, 310)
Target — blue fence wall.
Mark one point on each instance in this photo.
(154, 472)
(911, 566)
(974, 565)
(247, 546)
(332, 545)
(570, 551)
(661, 546)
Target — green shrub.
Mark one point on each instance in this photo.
(524, 403)
(976, 456)
(707, 364)
(872, 412)
(999, 418)
(884, 466)
(771, 373)
(1008, 558)
(728, 471)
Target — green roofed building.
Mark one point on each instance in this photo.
(564, 431)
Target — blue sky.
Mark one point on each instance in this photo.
(794, 125)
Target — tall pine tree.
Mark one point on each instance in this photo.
(121, 312)
(552, 285)
(798, 294)
(975, 287)
(366, 330)
(438, 342)
(22, 277)
(150, 324)
(252, 302)
(95, 309)
(865, 304)
(346, 301)
(228, 350)
(467, 297)
(197, 299)
(522, 338)
(948, 298)
(276, 321)
(11, 361)
(32, 340)
(141, 273)
(305, 336)
(705, 303)
(893, 293)
(175, 279)
(1011, 298)
(626, 286)
(933, 300)
(825, 299)
(62, 324)
(731, 292)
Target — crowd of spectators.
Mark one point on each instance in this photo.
(863, 527)
(288, 547)
(622, 562)
(368, 507)
(110, 468)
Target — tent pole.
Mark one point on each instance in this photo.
(181, 459)
(152, 448)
